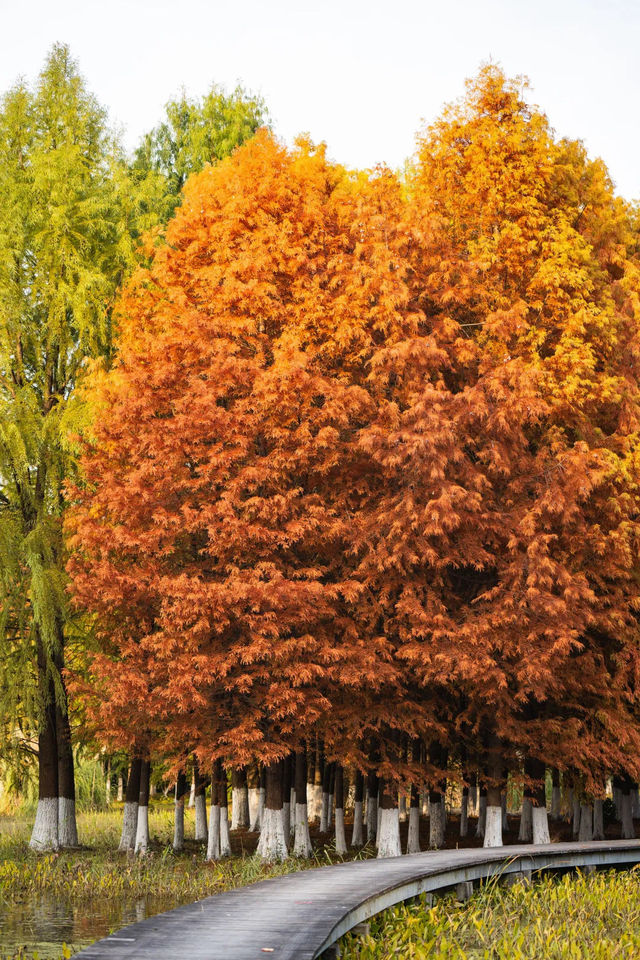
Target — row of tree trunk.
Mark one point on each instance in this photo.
(281, 800)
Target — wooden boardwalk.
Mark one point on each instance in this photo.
(298, 916)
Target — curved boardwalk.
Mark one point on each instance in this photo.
(297, 916)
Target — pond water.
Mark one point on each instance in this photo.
(43, 922)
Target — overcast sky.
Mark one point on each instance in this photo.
(358, 74)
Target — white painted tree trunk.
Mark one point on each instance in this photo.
(628, 832)
(213, 833)
(556, 803)
(239, 808)
(254, 809)
(302, 842)
(178, 825)
(424, 803)
(67, 830)
(44, 836)
(493, 827)
(402, 808)
(192, 794)
(324, 815)
(225, 840)
(201, 817)
(142, 830)
(129, 825)
(315, 808)
(272, 845)
(464, 815)
(341, 840)
(261, 802)
(540, 825)
(598, 819)
(413, 834)
(357, 835)
(482, 817)
(292, 815)
(389, 834)
(436, 826)
(586, 822)
(120, 794)
(526, 821)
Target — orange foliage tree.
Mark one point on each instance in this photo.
(364, 472)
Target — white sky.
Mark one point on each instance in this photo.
(359, 74)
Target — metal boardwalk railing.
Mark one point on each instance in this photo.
(300, 915)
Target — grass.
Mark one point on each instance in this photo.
(576, 917)
(97, 872)
(591, 916)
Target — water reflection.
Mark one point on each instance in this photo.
(44, 922)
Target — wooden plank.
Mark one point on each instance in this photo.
(296, 916)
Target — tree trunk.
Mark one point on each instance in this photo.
(142, 828)
(200, 803)
(130, 811)
(413, 833)
(107, 782)
(525, 834)
(341, 840)
(286, 796)
(357, 834)
(302, 841)
(326, 793)
(315, 810)
(556, 795)
(539, 820)
(67, 829)
(262, 795)
(436, 820)
(120, 793)
(389, 834)
(272, 845)
(223, 802)
(493, 825)
(239, 799)
(464, 812)
(628, 832)
(473, 795)
(253, 783)
(598, 819)
(577, 814)
(213, 832)
(44, 835)
(178, 826)
(482, 813)
(372, 806)
(586, 822)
